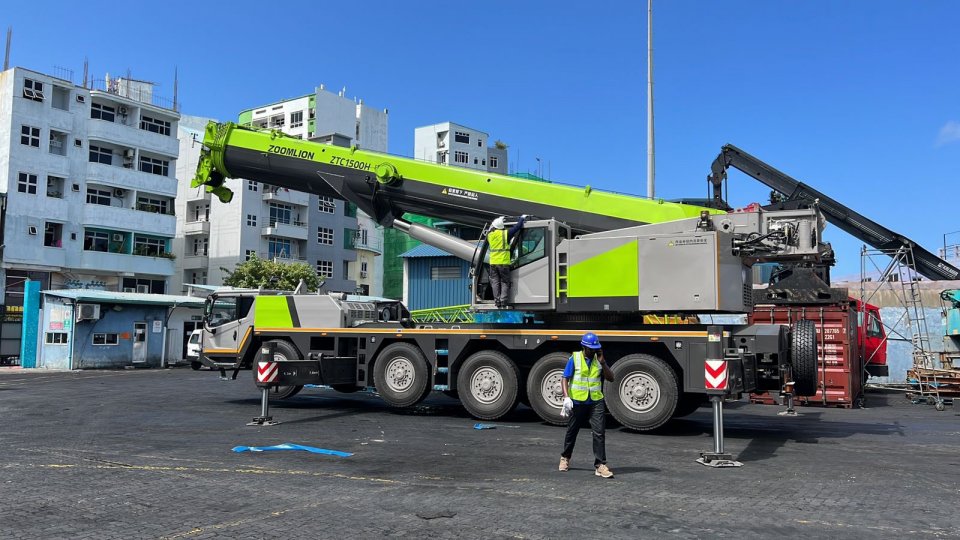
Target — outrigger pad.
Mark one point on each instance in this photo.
(718, 461)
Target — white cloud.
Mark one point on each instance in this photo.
(949, 133)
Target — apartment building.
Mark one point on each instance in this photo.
(458, 145)
(88, 175)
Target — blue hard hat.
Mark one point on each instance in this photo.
(590, 340)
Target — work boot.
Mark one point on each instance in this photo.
(603, 471)
(564, 464)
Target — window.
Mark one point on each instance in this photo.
(149, 204)
(61, 98)
(325, 236)
(313, 113)
(252, 186)
(103, 112)
(200, 247)
(325, 269)
(55, 338)
(480, 143)
(55, 186)
(98, 196)
(530, 247)
(251, 220)
(106, 339)
(96, 241)
(475, 161)
(201, 213)
(155, 125)
(296, 119)
(327, 205)
(442, 157)
(445, 272)
(198, 278)
(27, 183)
(250, 254)
(494, 162)
(279, 248)
(98, 154)
(461, 137)
(154, 166)
(460, 157)
(52, 234)
(58, 143)
(149, 246)
(280, 213)
(874, 328)
(152, 286)
(277, 121)
(33, 90)
(30, 136)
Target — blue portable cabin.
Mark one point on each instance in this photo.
(433, 278)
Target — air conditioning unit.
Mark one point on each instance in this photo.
(129, 289)
(119, 193)
(88, 312)
(32, 230)
(122, 110)
(143, 289)
(363, 274)
(81, 98)
(128, 153)
(117, 237)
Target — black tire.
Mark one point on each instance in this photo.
(195, 365)
(401, 375)
(489, 385)
(644, 392)
(544, 390)
(284, 351)
(803, 347)
(688, 403)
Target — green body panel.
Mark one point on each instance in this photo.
(272, 312)
(245, 118)
(219, 136)
(611, 273)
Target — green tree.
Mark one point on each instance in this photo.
(268, 274)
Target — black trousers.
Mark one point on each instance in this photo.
(582, 415)
(500, 282)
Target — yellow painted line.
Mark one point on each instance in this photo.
(485, 332)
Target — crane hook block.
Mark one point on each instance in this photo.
(387, 174)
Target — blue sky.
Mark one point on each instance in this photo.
(857, 98)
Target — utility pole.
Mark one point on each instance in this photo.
(6, 54)
(650, 157)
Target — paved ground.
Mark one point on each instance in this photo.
(147, 454)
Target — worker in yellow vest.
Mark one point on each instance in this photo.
(498, 240)
(582, 385)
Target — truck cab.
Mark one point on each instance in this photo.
(872, 340)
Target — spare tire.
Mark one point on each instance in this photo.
(803, 348)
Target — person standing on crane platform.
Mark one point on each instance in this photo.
(582, 385)
(499, 241)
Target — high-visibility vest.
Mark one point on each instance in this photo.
(499, 246)
(587, 381)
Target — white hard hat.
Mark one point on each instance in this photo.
(497, 223)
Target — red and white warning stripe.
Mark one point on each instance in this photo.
(267, 371)
(715, 374)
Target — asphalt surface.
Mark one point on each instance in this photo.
(147, 454)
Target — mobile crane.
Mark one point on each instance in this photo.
(590, 261)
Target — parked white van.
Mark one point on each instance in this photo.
(193, 348)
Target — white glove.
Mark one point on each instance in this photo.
(567, 407)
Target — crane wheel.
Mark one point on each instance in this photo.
(543, 387)
(402, 375)
(644, 392)
(803, 351)
(488, 384)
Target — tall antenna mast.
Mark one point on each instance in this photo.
(6, 54)
(650, 157)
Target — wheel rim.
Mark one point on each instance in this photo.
(399, 374)
(639, 392)
(486, 385)
(550, 389)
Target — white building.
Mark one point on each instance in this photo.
(279, 223)
(89, 181)
(454, 144)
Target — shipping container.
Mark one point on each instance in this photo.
(840, 365)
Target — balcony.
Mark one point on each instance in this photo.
(126, 219)
(196, 227)
(286, 196)
(116, 175)
(195, 262)
(294, 229)
(124, 262)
